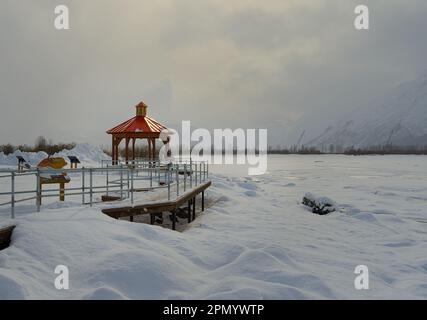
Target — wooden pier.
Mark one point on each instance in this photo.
(155, 208)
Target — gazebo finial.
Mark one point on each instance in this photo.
(141, 109)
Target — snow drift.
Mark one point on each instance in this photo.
(88, 155)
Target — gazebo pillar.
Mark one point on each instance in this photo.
(127, 149)
(154, 148)
(113, 150)
(133, 148)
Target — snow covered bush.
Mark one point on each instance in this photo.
(319, 205)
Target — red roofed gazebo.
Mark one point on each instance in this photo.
(139, 127)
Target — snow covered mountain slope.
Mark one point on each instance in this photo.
(399, 118)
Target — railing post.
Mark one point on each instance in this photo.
(151, 177)
(121, 181)
(166, 173)
(195, 177)
(169, 183)
(83, 185)
(191, 173)
(177, 179)
(107, 180)
(39, 191)
(131, 191)
(128, 181)
(12, 200)
(91, 186)
(158, 173)
(185, 176)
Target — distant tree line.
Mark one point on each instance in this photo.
(294, 150)
(387, 149)
(48, 146)
(41, 144)
(142, 151)
(338, 149)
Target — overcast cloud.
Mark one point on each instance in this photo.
(237, 63)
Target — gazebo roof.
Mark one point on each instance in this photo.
(141, 123)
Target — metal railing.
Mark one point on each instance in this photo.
(120, 180)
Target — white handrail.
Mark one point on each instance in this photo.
(129, 174)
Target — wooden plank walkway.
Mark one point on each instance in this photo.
(154, 208)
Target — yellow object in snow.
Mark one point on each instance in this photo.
(54, 163)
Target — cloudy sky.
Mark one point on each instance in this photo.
(235, 63)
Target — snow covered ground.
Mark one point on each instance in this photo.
(254, 241)
(88, 155)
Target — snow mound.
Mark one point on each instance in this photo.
(32, 157)
(320, 205)
(89, 156)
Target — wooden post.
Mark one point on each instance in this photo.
(203, 201)
(149, 148)
(113, 150)
(62, 191)
(133, 148)
(189, 210)
(174, 219)
(127, 149)
(116, 143)
(194, 208)
(154, 148)
(117, 151)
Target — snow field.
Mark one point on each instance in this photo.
(255, 241)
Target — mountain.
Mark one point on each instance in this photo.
(398, 119)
